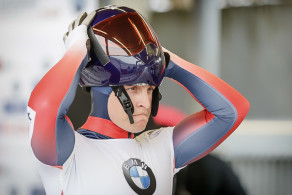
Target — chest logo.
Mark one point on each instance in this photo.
(139, 176)
(153, 134)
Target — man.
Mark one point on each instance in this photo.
(122, 66)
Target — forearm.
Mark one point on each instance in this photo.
(224, 110)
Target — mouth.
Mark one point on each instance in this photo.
(141, 114)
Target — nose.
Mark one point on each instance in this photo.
(144, 100)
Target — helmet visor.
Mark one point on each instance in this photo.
(124, 34)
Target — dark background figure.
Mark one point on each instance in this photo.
(208, 176)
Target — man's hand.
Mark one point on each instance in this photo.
(77, 30)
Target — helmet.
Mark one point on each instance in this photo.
(124, 50)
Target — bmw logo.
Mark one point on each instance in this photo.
(139, 176)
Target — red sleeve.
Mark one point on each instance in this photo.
(52, 136)
(224, 109)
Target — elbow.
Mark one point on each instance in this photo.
(238, 112)
(243, 109)
(41, 103)
(229, 117)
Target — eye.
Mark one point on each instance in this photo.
(151, 88)
(131, 88)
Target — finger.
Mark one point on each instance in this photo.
(71, 26)
(89, 18)
(65, 36)
(79, 19)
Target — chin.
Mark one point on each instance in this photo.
(138, 126)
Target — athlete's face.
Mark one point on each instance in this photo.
(141, 97)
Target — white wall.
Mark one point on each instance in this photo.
(31, 38)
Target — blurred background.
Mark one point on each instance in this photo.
(248, 43)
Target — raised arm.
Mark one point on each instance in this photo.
(224, 109)
(52, 135)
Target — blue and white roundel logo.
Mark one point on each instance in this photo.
(139, 176)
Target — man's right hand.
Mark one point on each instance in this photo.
(77, 30)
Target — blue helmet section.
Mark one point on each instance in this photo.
(146, 66)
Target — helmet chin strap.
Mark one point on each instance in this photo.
(125, 100)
